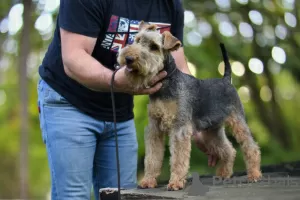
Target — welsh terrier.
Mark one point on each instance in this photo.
(185, 106)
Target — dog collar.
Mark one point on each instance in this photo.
(169, 62)
(169, 74)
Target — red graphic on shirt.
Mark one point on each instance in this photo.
(122, 31)
(113, 24)
(162, 27)
(134, 26)
(119, 42)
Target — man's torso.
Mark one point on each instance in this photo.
(120, 30)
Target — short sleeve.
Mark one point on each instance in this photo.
(84, 17)
(178, 29)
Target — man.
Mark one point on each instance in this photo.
(74, 91)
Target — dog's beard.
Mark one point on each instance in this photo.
(150, 66)
(143, 69)
(147, 70)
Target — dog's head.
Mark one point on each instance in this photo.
(145, 57)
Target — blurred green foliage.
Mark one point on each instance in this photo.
(271, 97)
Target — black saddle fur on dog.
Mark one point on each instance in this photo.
(207, 101)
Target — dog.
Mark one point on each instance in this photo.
(185, 106)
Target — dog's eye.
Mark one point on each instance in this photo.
(154, 47)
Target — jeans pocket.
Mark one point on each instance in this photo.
(54, 99)
(48, 97)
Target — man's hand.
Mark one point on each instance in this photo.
(122, 84)
(212, 158)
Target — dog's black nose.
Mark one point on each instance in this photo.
(129, 60)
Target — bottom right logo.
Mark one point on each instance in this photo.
(197, 188)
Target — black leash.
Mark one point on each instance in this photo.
(115, 130)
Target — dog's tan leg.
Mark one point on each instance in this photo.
(218, 144)
(180, 149)
(154, 146)
(250, 149)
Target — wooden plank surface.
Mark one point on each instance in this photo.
(280, 182)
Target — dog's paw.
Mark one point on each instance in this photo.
(175, 185)
(147, 183)
(224, 172)
(254, 176)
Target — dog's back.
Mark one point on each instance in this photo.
(206, 103)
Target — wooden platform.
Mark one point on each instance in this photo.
(280, 182)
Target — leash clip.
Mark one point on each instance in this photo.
(116, 66)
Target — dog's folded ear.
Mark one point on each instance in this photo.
(170, 42)
(146, 26)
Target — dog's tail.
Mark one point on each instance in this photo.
(227, 71)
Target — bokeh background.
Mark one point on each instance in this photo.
(263, 41)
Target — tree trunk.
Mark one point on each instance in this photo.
(279, 126)
(23, 87)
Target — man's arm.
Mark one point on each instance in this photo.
(181, 61)
(177, 31)
(86, 70)
(80, 23)
(80, 65)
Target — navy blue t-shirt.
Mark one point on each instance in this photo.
(114, 24)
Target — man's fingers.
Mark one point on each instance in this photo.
(155, 88)
(151, 90)
(162, 75)
(159, 76)
(156, 85)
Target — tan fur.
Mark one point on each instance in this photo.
(147, 62)
(250, 149)
(180, 148)
(165, 112)
(154, 145)
(147, 55)
(170, 42)
(161, 118)
(162, 115)
(143, 71)
(218, 144)
(146, 26)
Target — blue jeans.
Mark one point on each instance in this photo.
(81, 150)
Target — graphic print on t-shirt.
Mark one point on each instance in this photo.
(122, 31)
